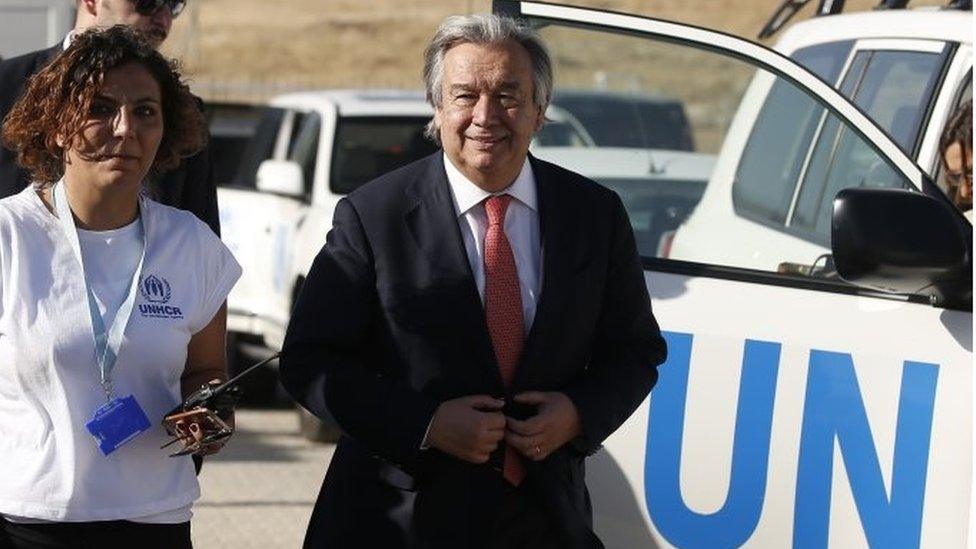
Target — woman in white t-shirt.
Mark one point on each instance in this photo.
(111, 305)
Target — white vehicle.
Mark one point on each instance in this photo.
(660, 187)
(796, 408)
(906, 69)
(30, 25)
(308, 150)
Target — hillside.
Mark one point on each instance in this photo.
(250, 49)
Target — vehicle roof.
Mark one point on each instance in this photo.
(917, 23)
(593, 94)
(625, 163)
(361, 102)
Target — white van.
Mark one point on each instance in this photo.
(796, 408)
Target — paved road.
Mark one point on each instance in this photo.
(258, 492)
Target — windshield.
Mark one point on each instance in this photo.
(367, 147)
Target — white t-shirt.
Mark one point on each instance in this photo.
(111, 258)
(49, 382)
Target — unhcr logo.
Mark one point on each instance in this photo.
(157, 292)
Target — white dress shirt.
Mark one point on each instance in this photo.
(521, 229)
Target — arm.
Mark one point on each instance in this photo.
(627, 348)
(206, 357)
(206, 361)
(333, 354)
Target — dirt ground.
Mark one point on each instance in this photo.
(251, 49)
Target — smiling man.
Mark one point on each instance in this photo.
(477, 323)
(191, 185)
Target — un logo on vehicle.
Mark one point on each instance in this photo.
(155, 289)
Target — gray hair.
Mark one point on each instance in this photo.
(484, 28)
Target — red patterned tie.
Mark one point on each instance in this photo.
(503, 309)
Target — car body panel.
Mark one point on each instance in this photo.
(791, 410)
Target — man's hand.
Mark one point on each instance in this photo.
(556, 423)
(468, 428)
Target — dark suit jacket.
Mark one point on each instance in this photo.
(189, 187)
(389, 324)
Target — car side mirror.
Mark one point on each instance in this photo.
(900, 241)
(281, 177)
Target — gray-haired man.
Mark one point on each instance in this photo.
(477, 323)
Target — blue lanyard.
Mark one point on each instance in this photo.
(107, 342)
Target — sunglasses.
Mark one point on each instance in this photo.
(149, 7)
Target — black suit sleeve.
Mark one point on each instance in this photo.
(199, 194)
(14, 74)
(627, 347)
(333, 354)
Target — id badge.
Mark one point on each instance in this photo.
(117, 422)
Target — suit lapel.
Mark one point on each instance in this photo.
(561, 246)
(433, 223)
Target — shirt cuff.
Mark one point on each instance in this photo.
(425, 444)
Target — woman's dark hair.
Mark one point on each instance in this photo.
(57, 101)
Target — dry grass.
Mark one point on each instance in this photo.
(262, 46)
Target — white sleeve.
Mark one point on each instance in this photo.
(218, 271)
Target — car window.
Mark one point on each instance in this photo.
(231, 128)
(895, 89)
(556, 133)
(628, 119)
(304, 145)
(258, 148)
(367, 147)
(825, 60)
(728, 194)
(652, 127)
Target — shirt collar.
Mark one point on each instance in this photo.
(468, 195)
(68, 39)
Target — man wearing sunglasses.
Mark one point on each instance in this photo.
(190, 186)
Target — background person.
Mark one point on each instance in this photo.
(190, 186)
(477, 322)
(956, 148)
(84, 259)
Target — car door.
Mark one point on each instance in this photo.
(793, 408)
(257, 226)
(243, 230)
(302, 135)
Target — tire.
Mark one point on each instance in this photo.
(316, 430)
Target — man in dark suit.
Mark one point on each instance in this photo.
(477, 323)
(191, 186)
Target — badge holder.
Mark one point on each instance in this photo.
(116, 422)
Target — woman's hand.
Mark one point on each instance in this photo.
(206, 364)
(201, 431)
(219, 438)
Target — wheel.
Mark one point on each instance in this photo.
(316, 430)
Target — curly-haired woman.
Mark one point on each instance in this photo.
(111, 305)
